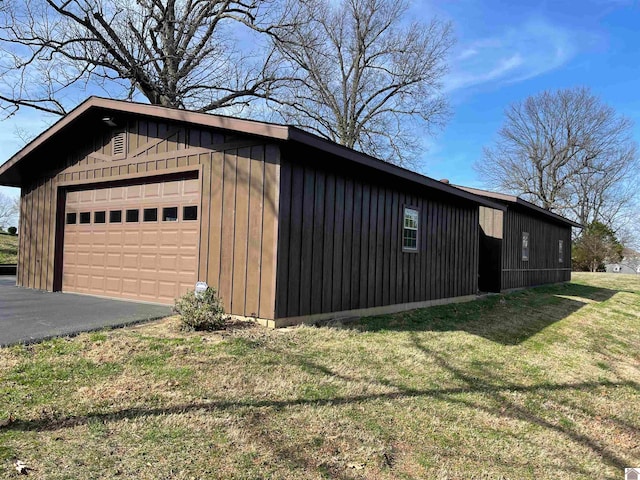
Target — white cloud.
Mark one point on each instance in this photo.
(513, 55)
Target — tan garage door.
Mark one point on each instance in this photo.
(137, 242)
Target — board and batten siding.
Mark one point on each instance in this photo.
(239, 209)
(340, 242)
(543, 265)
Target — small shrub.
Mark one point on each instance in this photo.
(203, 312)
(12, 230)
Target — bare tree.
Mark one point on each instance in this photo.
(360, 74)
(9, 208)
(176, 53)
(567, 152)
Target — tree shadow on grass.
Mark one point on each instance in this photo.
(508, 319)
(478, 391)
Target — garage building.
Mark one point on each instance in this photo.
(139, 202)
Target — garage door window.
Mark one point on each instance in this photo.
(85, 217)
(115, 216)
(170, 214)
(99, 217)
(133, 216)
(150, 215)
(190, 213)
(72, 218)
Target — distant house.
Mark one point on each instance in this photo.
(523, 246)
(630, 263)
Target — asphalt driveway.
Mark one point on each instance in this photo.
(27, 316)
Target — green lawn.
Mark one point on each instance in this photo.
(542, 383)
(8, 248)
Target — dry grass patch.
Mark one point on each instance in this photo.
(537, 384)
(8, 249)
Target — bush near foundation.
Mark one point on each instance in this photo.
(201, 312)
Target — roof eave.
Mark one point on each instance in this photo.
(519, 201)
(541, 210)
(311, 140)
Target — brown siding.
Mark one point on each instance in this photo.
(340, 242)
(543, 265)
(239, 212)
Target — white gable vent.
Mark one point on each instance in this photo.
(119, 144)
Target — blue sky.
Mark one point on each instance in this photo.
(505, 51)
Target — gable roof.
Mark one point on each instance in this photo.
(513, 200)
(10, 171)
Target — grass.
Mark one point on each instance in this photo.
(8, 249)
(542, 383)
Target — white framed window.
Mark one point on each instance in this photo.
(560, 251)
(525, 246)
(410, 221)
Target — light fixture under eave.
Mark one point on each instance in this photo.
(109, 121)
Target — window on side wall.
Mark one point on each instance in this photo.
(560, 251)
(525, 246)
(410, 229)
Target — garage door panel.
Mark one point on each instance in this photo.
(98, 259)
(117, 193)
(148, 262)
(154, 261)
(132, 239)
(96, 282)
(187, 263)
(83, 258)
(101, 195)
(168, 262)
(134, 192)
(152, 191)
(169, 238)
(114, 238)
(113, 285)
(114, 260)
(171, 190)
(84, 239)
(189, 237)
(167, 289)
(149, 238)
(149, 287)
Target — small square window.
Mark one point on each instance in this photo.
(525, 246)
(170, 214)
(99, 217)
(190, 213)
(150, 215)
(72, 218)
(410, 229)
(85, 217)
(115, 216)
(133, 216)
